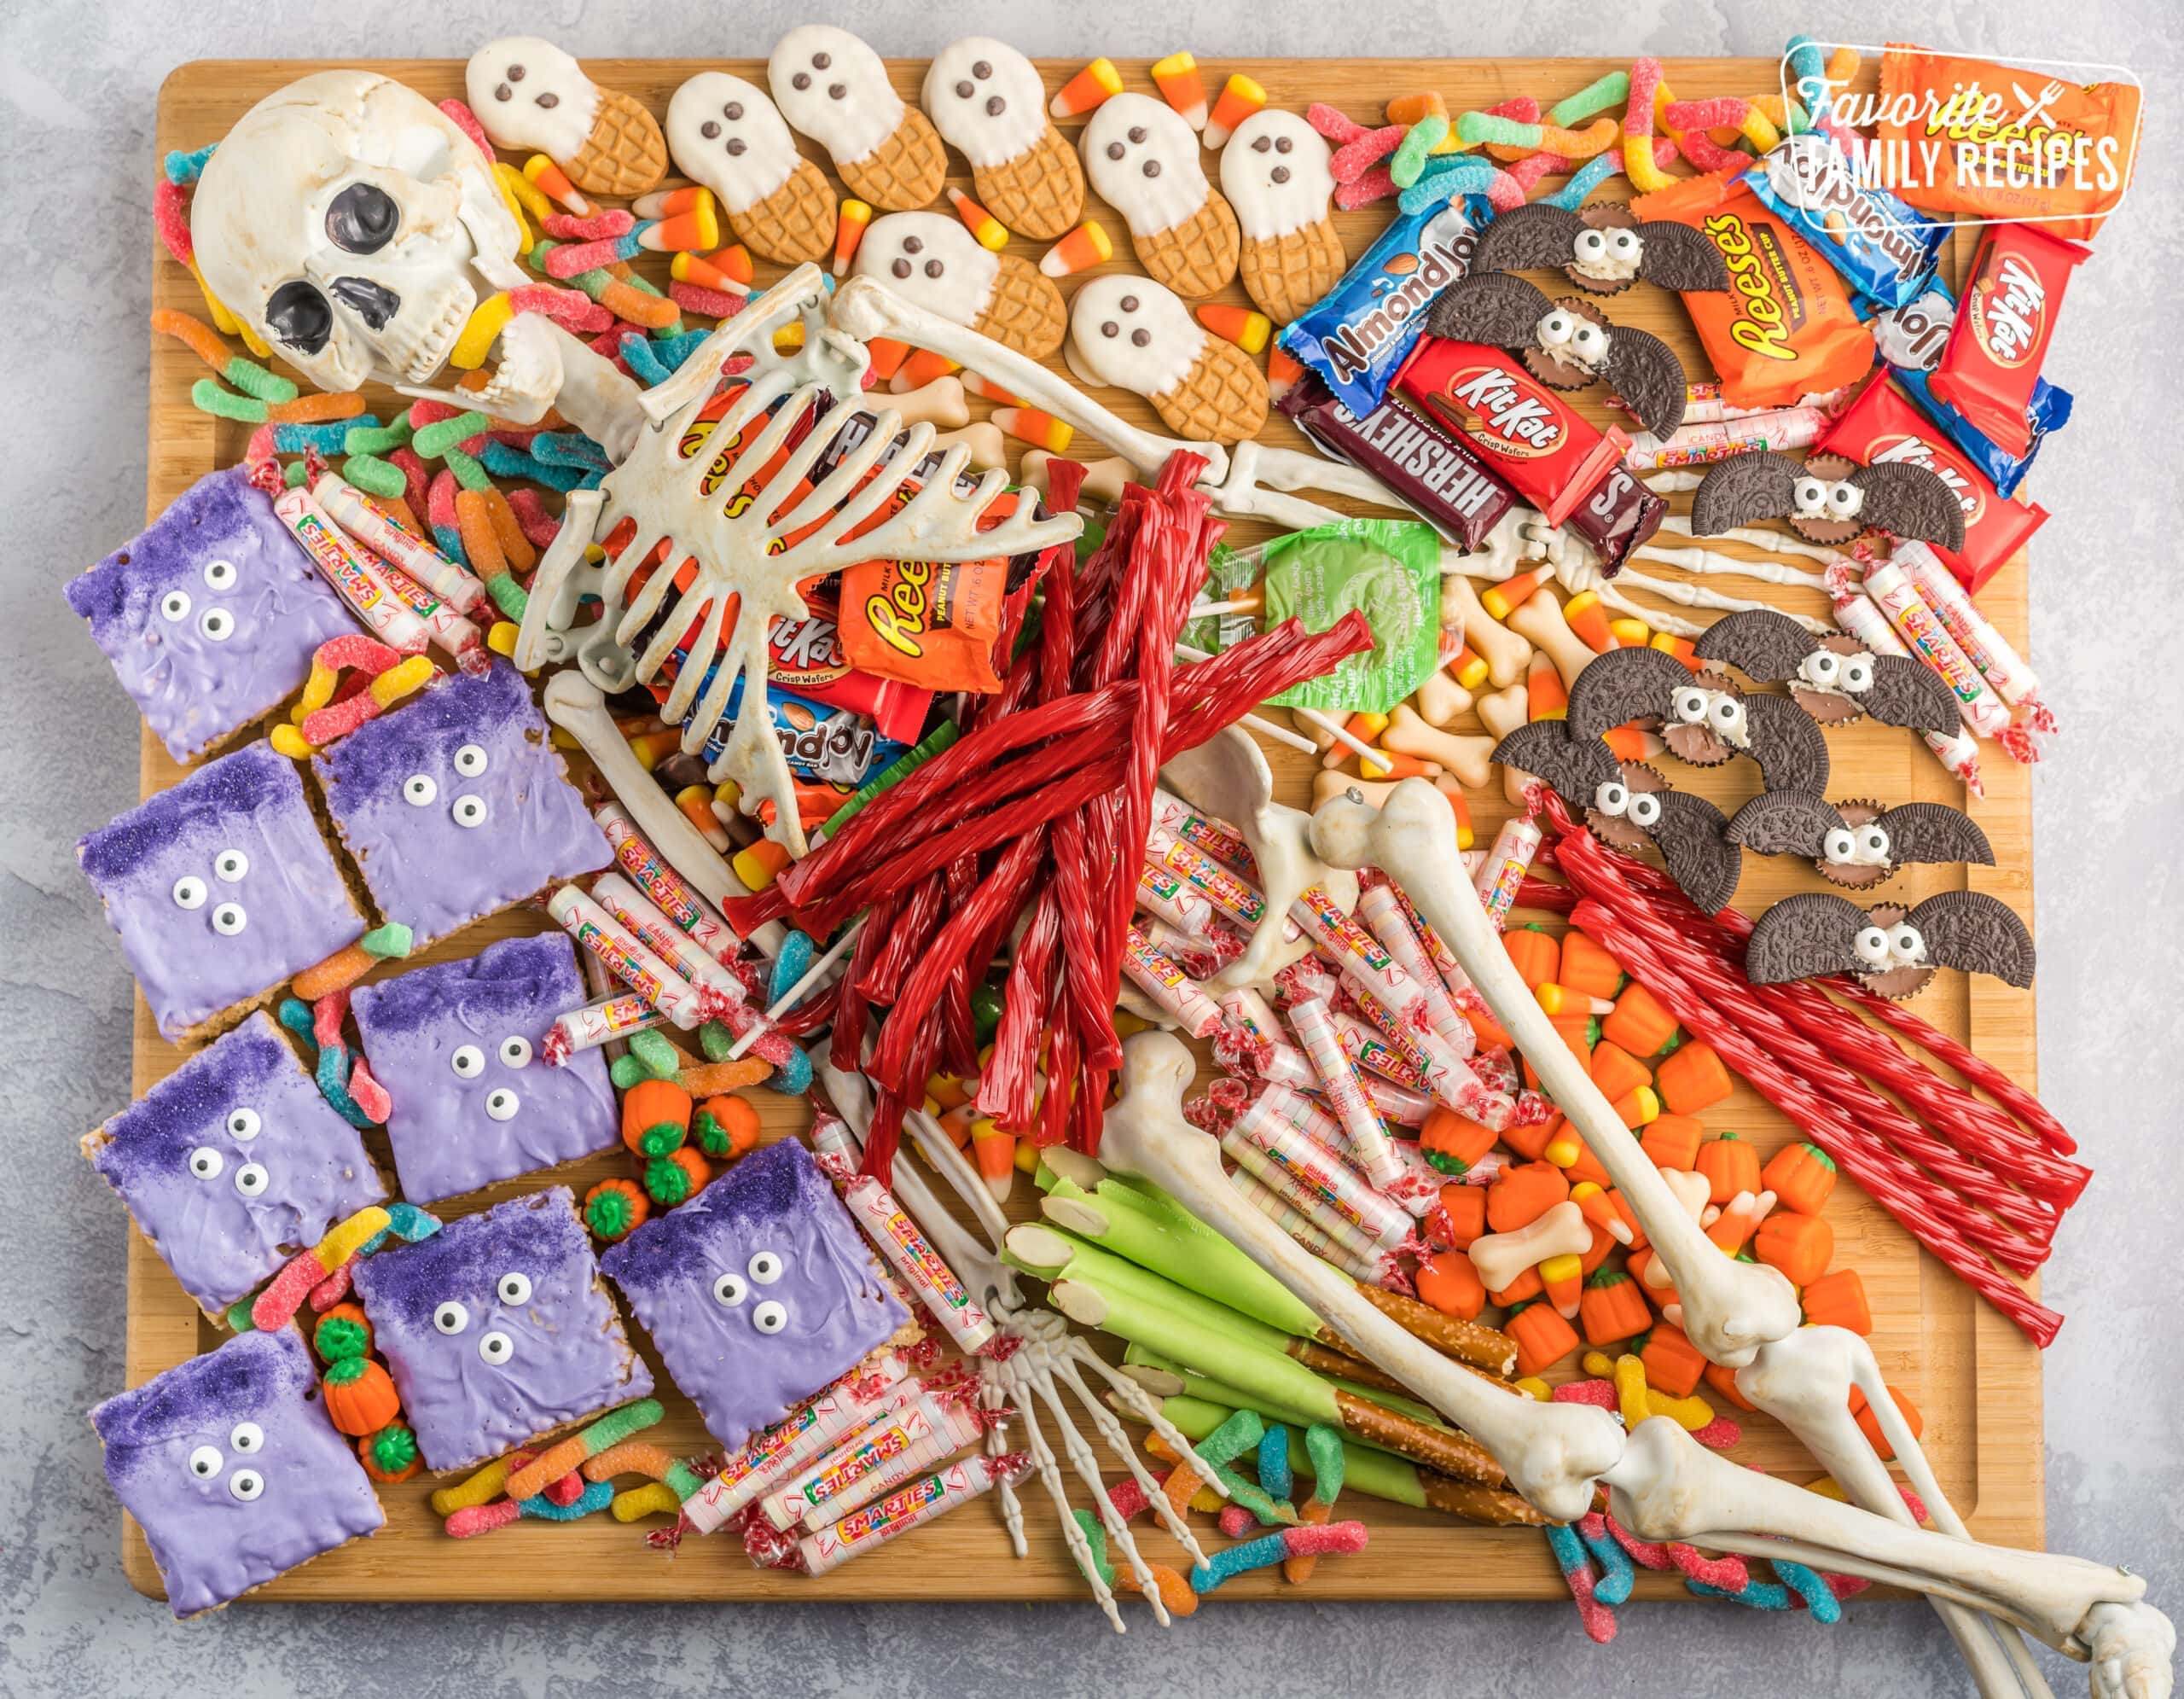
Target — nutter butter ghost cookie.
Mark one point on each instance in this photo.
(930, 259)
(1361, 330)
(988, 104)
(1133, 333)
(832, 88)
(727, 135)
(1276, 176)
(228, 1463)
(1144, 160)
(531, 97)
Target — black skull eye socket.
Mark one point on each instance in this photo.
(362, 218)
(300, 318)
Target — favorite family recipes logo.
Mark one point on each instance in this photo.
(2029, 141)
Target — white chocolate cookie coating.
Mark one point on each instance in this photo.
(1143, 160)
(832, 88)
(929, 258)
(986, 101)
(727, 135)
(1133, 334)
(1275, 173)
(530, 97)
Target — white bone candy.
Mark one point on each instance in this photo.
(1440, 699)
(1470, 759)
(939, 403)
(1500, 1258)
(1541, 622)
(1502, 713)
(1103, 478)
(1504, 651)
(989, 448)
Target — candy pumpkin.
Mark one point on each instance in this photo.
(360, 1396)
(343, 1331)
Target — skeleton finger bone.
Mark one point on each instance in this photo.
(1504, 651)
(1502, 713)
(1540, 622)
(558, 587)
(1470, 759)
(1552, 1451)
(1730, 1308)
(865, 309)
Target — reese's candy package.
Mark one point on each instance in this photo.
(1358, 333)
(1785, 328)
(2004, 323)
(1991, 141)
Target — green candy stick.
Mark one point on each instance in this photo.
(1052, 1255)
(1219, 1392)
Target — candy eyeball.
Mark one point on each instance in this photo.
(1906, 943)
(513, 1288)
(496, 1348)
(1845, 500)
(1811, 497)
(1857, 674)
(204, 1462)
(246, 1485)
(766, 1267)
(1823, 666)
(468, 812)
(1627, 245)
(219, 575)
(229, 866)
(419, 790)
(1588, 342)
(174, 607)
(501, 1105)
(229, 918)
(189, 892)
(515, 1051)
(1728, 717)
(769, 1317)
(470, 760)
(243, 1125)
(451, 1317)
(1871, 946)
(730, 1290)
(1838, 845)
(1690, 705)
(1645, 808)
(216, 625)
(468, 1062)
(252, 1179)
(1555, 328)
(247, 1437)
(1611, 798)
(1591, 246)
(205, 1163)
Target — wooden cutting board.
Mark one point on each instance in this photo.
(1974, 1378)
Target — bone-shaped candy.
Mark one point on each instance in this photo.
(1504, 651)
(989, 448)
(1103, 478)
(1502, 713)
(1440, 699)
(1470, 759)
(1500, 1258)
(1541, 622)
(939, 403)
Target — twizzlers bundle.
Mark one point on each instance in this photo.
(1040, 809)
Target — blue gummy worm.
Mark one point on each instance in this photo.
(1759, 1595)
(1585, 179)
(333, 1075)
(794, 963)
(327, 439)
(568, 448)
(1569, 1549)
(792, 1078)
(671, 351)
(184, 169)
(295, 1014)
(644, 365)
(597, 1496)
(1275, 1478)
(449, 541)
(1466, 176)
(1812, 1587)
(1252, 1554)
(504, 461)
(1618, 1577)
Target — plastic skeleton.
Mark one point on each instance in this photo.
(1043, 1360)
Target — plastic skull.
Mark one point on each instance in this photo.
(355, 227)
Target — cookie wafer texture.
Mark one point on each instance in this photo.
(1039, 194)
(1143, 160)
(794, 223)
(727, 135)
(930, 259)
(1025, 310)
(530, 97)
(988, 104)
(1221, 398)
(1197, 257)
(1286, 274)
(905, 171)
(1276, 174)
(833, 88)
(625, 155)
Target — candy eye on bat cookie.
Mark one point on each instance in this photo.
(1704, 719)
(1630, 807)
(1603, 249)
(1833, 678)
(1858, 844)
(1828, 499)
(1892, 951)
(1566, 345)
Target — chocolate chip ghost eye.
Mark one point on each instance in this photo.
(733, 111)
(914, 244)
(709, 130)
(981, 69)
(1139, 339)
(820, 62)
(1282, 144)
(933, 267)
(1262, 145)
(1151, 167)
(504, 92)
(515, 74)
(800, 82)
(1279, 173)
(1111, 328)
(1136, 133)
(964, 90)
(1129, 303)
(1114, 150)
(836, 90)
(735, 145)
(900, 268)
(550, 101)
(996, 106)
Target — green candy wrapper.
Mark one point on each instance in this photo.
(1387, 569)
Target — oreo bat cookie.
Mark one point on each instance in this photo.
(1835, 678)
(1603, 249)
(1827, 499)
(1893, 951)
(1857, 844)
(1704, 718)
(1630, 807)
(1569, 344)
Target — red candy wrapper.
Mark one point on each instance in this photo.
(805, 658)
(1542, 449)
(1882, 425)
(2004, 323)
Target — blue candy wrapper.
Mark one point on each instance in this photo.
(1358, 333)
(1885, 250)
(1912, 338)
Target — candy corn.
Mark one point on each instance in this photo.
(707, 271)
(1029, 425)
(988, 230)
(1176, 78)
(1682, 647)
(1586, 615)
(920, 369)
(1283, 368)
(987, 390)
(1631, 633)
(1503, 599)
(888, 357)
(1084, 247)
(1094, 84)
(691, 231)
(548, 179)
(1239, 98)
(668, 203)
(1248, 329)
(849, 221)
(1545, 697)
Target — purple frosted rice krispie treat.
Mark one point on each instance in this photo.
(758, 1291)
(497, 1329)
(461, 1051)
(211, 616)
(454, 804)
(231, 1465)
(222, 889)
(233, 1163)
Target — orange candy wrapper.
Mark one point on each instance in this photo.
(1786, 328)
(2066, 162)
(935, 626)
